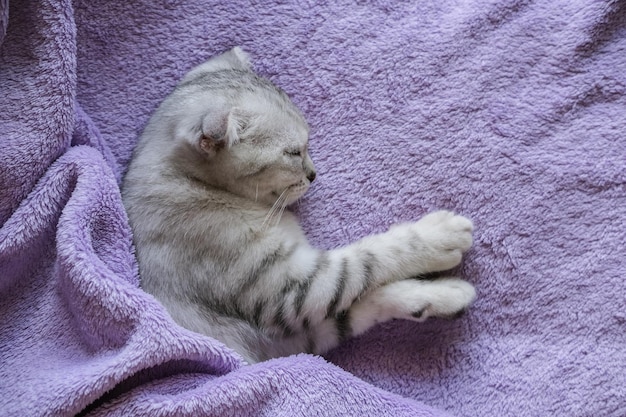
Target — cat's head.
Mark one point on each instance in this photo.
(241, 133)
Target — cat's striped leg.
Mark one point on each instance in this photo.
(407, 299)
(364, 273)
(339, 277)
(297, 289)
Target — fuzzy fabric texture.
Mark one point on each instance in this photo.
(510, 112)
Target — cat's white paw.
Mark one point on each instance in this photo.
(413, 299)
(446, 297)
(444, 236)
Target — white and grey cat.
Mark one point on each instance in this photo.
(205, 192)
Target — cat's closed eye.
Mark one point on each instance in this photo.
(293, 152)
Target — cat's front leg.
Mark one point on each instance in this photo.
(434, 243)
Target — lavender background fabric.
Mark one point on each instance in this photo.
(510, 112)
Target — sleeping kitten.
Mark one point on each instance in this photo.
(205, 192)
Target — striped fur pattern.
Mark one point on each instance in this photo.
(206, 193)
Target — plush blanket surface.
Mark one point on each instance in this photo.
(512, 112)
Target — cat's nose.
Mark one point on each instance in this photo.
(311, 176)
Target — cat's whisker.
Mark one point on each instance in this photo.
(278, 213)
(267, 217)
(278, 203)
(256, 195)
(282, 210)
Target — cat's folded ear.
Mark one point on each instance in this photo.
(215, 131)
(235, 58)
(239, 58)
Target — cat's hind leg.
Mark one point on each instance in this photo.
(411, 299)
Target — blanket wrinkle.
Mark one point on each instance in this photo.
(265, 393)
(510, 112)
(605, 21)
(87, 133)
(4, 18)
(99, 308)
(38, 72)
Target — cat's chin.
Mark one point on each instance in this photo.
(296, 191)
(290, 194)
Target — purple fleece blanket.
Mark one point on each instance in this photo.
(510, 112)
